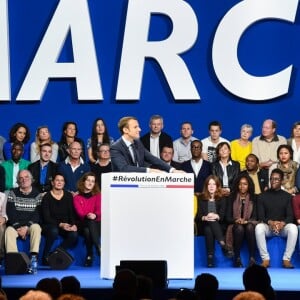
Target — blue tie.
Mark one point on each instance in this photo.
(135, 159)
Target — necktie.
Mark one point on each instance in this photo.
(134, 154)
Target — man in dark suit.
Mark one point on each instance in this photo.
(200, 167)
(155, 140)
(44, 169)
(128, 154)
(260, 177)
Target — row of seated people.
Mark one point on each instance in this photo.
(224, 167)
(154, 140)
(28, 213)
(20, 132)
(245, 216)
(43, 169)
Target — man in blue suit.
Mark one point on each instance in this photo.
(128, 154)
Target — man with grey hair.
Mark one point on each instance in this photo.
(156, 139)
(23, 204)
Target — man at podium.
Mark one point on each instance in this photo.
(128, 154)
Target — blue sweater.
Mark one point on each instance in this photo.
(71, 177)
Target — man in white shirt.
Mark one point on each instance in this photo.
(211, 142)
(182, 146)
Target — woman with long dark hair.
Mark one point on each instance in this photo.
(19, 132)
(99, 136)
(242, 218)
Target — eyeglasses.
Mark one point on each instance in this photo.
(275, 178)
(196, 147)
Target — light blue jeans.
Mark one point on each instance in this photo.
(289, 231)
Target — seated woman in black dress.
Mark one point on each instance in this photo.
(58, 217)
(242, 218)
(211, 211)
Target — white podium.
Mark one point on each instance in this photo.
(148, 216)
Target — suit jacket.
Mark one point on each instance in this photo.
(34, 168)
(204, 172)
(233, 171)
(122, 161)
(263, 178)
(163, 140)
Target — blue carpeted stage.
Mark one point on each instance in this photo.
(285, 282)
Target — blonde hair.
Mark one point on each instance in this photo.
(38, 142)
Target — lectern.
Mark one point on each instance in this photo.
(148, 216)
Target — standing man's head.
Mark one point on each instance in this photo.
(156, 124)
(215, 130)
(17, 151)
(45, 152)
(186, 130)
(75, 150)
(268, 129)
(129, 128)
(167, 153)
(196, 149)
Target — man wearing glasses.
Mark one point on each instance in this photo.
(276, 214)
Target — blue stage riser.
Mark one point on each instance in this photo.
(276, 247)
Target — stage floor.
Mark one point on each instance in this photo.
(229, 278)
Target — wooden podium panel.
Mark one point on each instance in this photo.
(148, 216)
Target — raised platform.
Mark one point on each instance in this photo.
(285, 282)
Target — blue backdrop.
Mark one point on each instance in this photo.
(266, 47)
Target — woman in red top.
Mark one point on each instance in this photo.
(87, 205)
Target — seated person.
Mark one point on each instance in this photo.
(58, 217)
(19, 132)
(87, 205)
(288, 167)
(103, 164)
(13, 165)
(73, 167)
(44, 169)
(196, 165)
(167, 154)
(156, 139)
(211, 212)
(241, 216)
(259, 176)
(43, 136)
(23, 204)
(275, 211)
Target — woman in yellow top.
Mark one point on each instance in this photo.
(241, 147)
